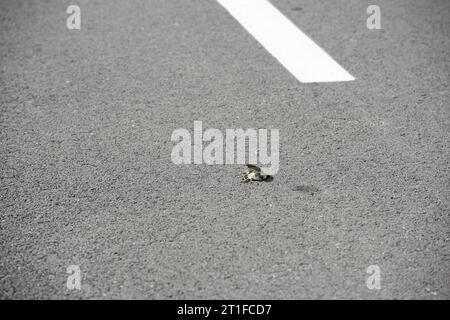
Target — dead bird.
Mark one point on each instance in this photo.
(253, 173)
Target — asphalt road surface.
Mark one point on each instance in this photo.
(87, 178)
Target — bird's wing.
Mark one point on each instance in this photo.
(253, 168)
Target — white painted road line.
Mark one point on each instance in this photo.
(288, 44)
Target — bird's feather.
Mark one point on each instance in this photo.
(253, 168)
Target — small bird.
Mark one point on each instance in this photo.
(252, 173)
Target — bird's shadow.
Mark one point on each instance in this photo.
(269, 179)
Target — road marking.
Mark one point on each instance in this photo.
(288, 44)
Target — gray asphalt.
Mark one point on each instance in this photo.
(87, 179)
